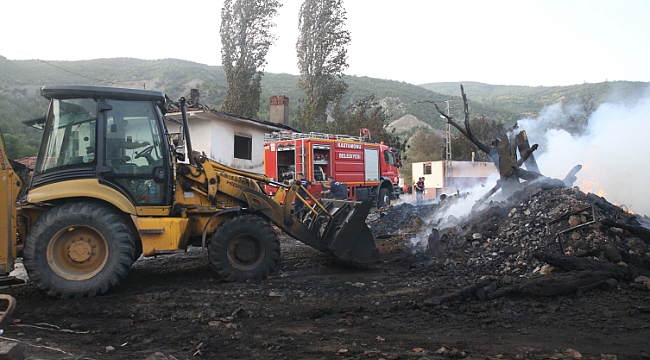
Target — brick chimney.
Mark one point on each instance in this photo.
(280, 109)
(194, 95)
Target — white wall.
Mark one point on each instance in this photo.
(460, 169)
(217, 140)
(472, 169)
(215, 135)
(434, 180)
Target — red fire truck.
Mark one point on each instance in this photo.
(369, 170)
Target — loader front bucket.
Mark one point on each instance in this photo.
(347, 236)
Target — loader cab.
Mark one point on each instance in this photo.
(115, 135)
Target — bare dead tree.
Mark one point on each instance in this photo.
(467, 131)
(503, 153)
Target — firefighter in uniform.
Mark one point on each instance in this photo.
(336, 190)
(297, 204)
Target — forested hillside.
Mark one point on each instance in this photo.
(21, 79)
(176, 77)
(527, 100)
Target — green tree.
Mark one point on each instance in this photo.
(17, 149)
(322, 57)
(424, 145)
(363, 114)
(245, 38)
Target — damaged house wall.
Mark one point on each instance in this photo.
(465, 175)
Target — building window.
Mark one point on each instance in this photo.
(427, 169)
(243, 147)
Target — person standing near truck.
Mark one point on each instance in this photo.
(419, 190)
(336, 190)
(297, 204)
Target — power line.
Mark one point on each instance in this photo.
(74, 73)
(58, 67)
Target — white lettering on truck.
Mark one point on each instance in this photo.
(348, 146)
(349, 156)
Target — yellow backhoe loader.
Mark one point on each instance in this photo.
(110, 184)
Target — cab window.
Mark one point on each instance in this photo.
(389, 157)
(134, 149)
(69, 137)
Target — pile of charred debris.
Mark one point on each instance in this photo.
(544, 240)
(529, 235)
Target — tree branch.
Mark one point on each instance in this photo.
(466, 131)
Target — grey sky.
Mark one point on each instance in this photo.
(506, 42)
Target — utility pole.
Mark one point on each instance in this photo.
(448, 168)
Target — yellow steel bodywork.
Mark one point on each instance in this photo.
(207, 195)
(160, 235)
(82, 188)
(230, 189)
(9, 189)
(157, 231)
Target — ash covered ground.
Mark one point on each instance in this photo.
(549, 273)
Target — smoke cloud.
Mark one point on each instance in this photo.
(458, 209)
(613, 151)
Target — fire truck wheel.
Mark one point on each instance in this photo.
(79, 249)
(384, 198)
(244, 248)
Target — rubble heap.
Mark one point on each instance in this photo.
(504, 238)
(404, 220)
(545, 239)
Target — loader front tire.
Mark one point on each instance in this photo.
(79, 249)
(244, 248)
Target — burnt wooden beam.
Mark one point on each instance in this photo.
(573, 263)
(526, 153)
(639, 231)
(570, 178)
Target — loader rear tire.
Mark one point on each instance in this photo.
(79, 249)
(244, 248)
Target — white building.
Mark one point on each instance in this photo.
(463, 175)
(231, 140)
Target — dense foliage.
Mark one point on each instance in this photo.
(16, 148)
(17, 106)
(424, 145)
(322, 58)
(20, 99)
(245, 38)
(363, 114)
(526, 101)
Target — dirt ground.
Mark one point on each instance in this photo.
(314, 307)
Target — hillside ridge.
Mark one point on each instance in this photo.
(20, 81)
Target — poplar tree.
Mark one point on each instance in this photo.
(322, 57)
(245, 38)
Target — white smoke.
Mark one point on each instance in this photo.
(457, 208)
(611, 151)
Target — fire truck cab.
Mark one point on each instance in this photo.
(370, 171)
